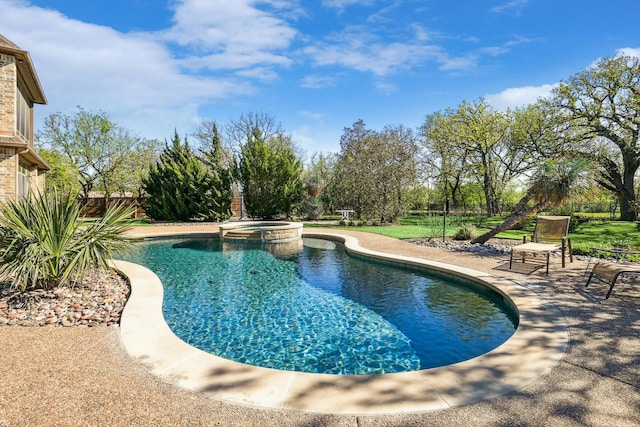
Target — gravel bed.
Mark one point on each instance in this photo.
(99, 300)
(492, 247)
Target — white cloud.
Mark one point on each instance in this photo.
(361, 50)
(381, 54)
(506, 46)
(317, 82)
(457, 63)
(385, 87)
(516, 5)
(265, 74)
(625, 51)
(231, 34)
(311, 115)
(519, 96)
(135, 77)
(341, 4)
(628, 51)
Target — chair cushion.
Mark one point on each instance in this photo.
(536, 247)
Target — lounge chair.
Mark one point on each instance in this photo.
(609, 271)
(549, 235)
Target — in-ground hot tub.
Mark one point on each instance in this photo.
(262, 231)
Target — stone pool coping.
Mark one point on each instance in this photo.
(538, 345)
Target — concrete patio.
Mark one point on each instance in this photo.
(83, 376)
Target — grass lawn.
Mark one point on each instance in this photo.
(593, 233)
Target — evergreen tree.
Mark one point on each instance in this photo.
(270, 174)
(180, 186)
(221, 177)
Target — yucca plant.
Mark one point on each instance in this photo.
(551, 184)
(43, 243)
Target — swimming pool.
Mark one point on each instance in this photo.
(321, 310)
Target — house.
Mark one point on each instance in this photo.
(21, 167)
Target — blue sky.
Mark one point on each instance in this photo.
(316, 66)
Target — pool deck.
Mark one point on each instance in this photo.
(73, 376)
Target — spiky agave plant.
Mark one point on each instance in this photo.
(43, 243)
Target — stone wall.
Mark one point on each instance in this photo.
(8, 173)
(8, 81)
(9, 155)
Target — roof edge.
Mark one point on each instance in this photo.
(26, 69)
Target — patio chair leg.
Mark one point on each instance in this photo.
(613, 282)
(548, 263)
(589, 280)
(511, 259)
(610, 290)
(570, 250)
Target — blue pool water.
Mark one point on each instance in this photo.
(320, 310)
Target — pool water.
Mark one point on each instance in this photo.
(320, 310)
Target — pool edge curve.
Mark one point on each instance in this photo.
(538, 344)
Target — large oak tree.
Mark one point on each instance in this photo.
(602, 106)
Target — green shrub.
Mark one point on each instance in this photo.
(45, 245)
(311, 208)
(577, 220)
(620, 243)
(465, 232)
(183, 187)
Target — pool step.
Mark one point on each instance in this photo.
(243, 235)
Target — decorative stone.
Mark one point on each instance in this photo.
(89, 304)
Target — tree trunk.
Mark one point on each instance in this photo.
(622, 184)
(626, 196)
(627, 207)
(518, 216)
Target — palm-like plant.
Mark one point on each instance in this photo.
(43, 243)
(552, 183)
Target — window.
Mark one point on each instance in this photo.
(23, 180)
(23, 115)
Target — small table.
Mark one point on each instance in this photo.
(345, 213)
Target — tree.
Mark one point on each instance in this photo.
(316, 178)
(221, 177)
(483, 132)
(397, 170)
(374, 171)
(241, 130)
(44, 243)
(135, 169)
(207, 133)
(270, 175)
(180, 187)
(63, 175)
(491, 147)
(444, 158)
(602, 105)
(353, 183)
(553, 182)
(97, 147)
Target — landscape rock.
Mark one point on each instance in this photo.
(98, 300)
